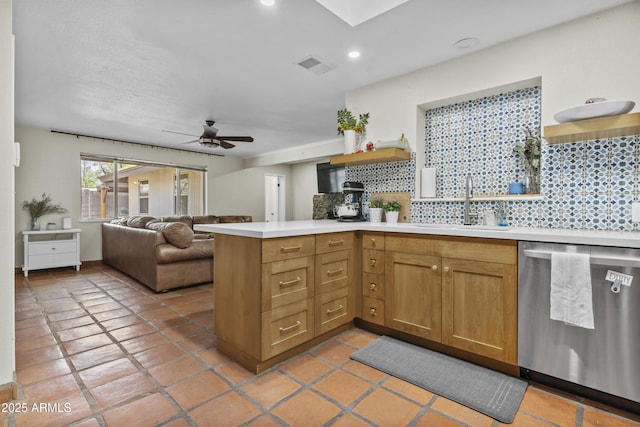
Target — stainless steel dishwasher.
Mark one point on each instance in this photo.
(602, 363)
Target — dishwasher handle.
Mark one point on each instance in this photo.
(595, 258)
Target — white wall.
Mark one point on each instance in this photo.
(51, 164)
(7, 193)
(305, 186)
(242, 192)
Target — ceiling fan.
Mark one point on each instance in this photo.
(210, 137)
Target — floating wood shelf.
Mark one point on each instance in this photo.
(585, 130)
(378, 156)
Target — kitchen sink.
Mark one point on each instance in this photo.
(465, 227)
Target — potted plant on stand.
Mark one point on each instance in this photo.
(38, 208)
(392, 210)
(351, 127)
(375, 210)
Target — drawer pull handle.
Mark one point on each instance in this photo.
(336, 242)
(373, 311)
(288, 328)
(434, 267)
(372, 286)
(446, 269)
(284, 284)
(334, 272)
(290, 248)
(331, 311)
(372, 262)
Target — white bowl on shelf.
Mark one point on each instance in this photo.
(594, 110)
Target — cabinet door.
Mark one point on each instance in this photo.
(479, 304)
(413, 294)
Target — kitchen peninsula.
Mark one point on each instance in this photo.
(281, 288)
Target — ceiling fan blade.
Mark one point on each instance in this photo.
(236, 138)
(189, 142)
(178, 133)
(226, 145)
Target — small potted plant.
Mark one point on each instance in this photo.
(530, 152)
(392, 210)
(38, 208)
(349, 126)
(375, 209)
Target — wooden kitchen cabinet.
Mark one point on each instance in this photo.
(461, 292)
(373, 278)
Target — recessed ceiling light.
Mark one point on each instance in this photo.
(466, 43)
(268, 2)
(354, 54)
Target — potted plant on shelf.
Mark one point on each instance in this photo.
(349, 126)
(530, 152)
(375, 209)
(392, 210)
(38, 208)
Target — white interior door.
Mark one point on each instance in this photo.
(274, 198)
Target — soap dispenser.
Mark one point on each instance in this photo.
(501, 215)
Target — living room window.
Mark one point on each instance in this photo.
(113, 187)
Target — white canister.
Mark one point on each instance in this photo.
(428, 182)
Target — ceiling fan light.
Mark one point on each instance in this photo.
(268, 2)
(354, 54)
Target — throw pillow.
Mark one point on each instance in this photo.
(177, 233)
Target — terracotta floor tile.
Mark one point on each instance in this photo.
(334, 352)
(42, 371)
(59, 413)
(197, 389)
(97, 300)
(121, 390)
(33, 332)
(148, 411)
(306, 368)
(30, 323)
(229, 409)
(595, 418)
(39, 355)
(461, 413)
(180, 422)
(144, 342)
(51, 389)
(176, 370)
(79, 332)
(343, 387)
(86, 343)
(96, 356)
(265, 420)
(198, 342)
(181, 332)
(23, 346)
(270, 388)
(157, 355)
(415, 393)
(234, 373)
(364, 371)
(385, 408)
(549, 407)
(112, 314)
(431, 418)
(133, 331)
(28, 314)
(120, 322)
(212, 356)
(159, 313)
(306, 408)
(58, 305)
(109, 371)
(66, 315)
(358, 338)
(525, 420)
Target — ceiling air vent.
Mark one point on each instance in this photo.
(315, 65)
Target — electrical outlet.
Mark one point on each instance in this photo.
(635, 212)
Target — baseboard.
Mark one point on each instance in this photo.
(7, 392)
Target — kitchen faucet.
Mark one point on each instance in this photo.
(468, 194)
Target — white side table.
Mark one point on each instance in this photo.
(54, 248)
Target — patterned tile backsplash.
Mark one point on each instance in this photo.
(584, 185)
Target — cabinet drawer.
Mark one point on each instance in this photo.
(284, 282)
(333, 310)
(287, 248)
(286, 327)
(333, 242)
(373, 241)
(57, 259)
(52, 246)
(373, 310)
(373, 286)
(373, 261)
(333, 270)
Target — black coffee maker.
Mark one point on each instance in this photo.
(351, 210)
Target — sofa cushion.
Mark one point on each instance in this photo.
(225, 219)
(140, 221)
(200, 249)
(177, 233)
(186, 219)
(206, 219)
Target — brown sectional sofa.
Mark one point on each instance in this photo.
(162, 252)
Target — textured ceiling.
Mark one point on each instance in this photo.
(128, 70)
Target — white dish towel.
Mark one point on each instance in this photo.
(571, 300)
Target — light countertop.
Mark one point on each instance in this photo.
(266, 230)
